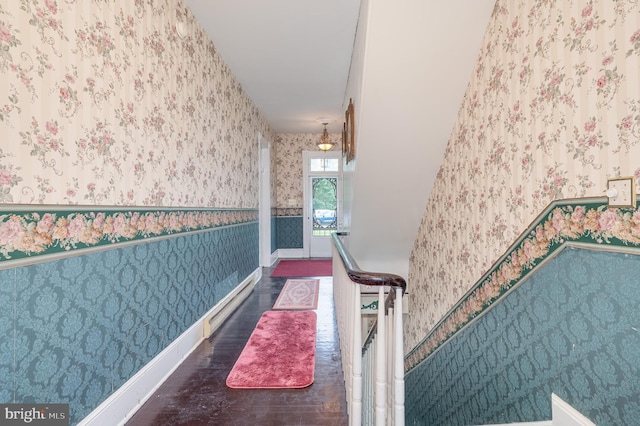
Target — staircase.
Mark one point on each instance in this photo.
(372, 350)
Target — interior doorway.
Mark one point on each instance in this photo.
(322, 201)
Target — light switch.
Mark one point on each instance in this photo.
(622, 192)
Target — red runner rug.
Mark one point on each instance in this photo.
(298, 294)
(303, 268)
(281, 353)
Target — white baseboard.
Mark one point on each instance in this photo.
(125, 401)
(290, 253)
(564, 414)
(542, 423)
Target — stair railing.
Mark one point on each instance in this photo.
(373, 367)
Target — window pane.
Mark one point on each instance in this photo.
(324, 164)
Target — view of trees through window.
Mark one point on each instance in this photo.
(325, 205)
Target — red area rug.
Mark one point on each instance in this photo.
(298, 294)
(281, 353)
(303, 268)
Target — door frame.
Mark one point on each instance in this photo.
(264, 201)
(306, 196)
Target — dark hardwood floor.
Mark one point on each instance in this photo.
(196, 393)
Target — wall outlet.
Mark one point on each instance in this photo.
(621, 192)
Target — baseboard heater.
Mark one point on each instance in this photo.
(227, 306)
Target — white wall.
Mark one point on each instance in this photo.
(407, 79)
(354, 92)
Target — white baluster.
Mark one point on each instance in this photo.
(398, 394)
(356, 353)
(381, 363)
(390, 358)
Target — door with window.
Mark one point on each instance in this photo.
(322, 201)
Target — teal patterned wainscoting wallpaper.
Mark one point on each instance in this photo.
(75, 329)
(289, 232)
(572, 328)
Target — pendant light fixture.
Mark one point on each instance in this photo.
(325, 143)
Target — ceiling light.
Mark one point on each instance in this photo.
(325, 143)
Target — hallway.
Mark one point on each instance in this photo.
(196, 393)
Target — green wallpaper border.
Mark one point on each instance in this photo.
(31, 232)
(587, 221)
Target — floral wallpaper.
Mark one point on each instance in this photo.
(103, 103)
(551, 111)
(290, 168)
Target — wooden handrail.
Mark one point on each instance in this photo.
(359, 276)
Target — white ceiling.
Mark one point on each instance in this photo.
(292, 57)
